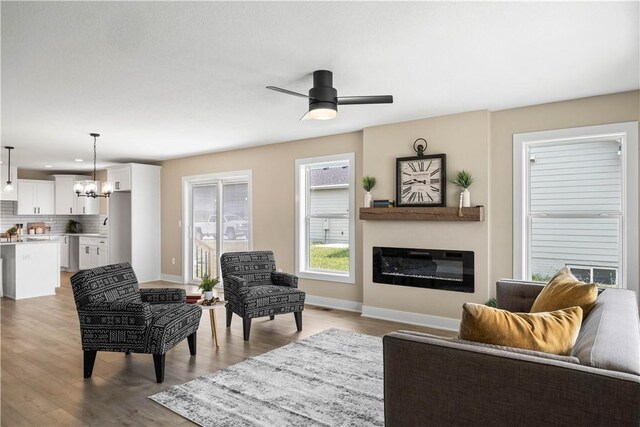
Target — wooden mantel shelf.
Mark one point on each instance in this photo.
(422, 214)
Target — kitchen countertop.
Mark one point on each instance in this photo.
(46, 238)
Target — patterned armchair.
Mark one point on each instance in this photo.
(117, 316)
(253, 288)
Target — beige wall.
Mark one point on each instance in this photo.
(273, 169)
(464, 138)
(479, 141)
(620, 107)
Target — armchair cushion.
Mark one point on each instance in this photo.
(284, 279)
(268, 300)
(115, 282)
(163, 295)
(254, 267)
(171, 324)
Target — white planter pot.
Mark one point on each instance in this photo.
(367, 199)
(466, 199)
(208, 295)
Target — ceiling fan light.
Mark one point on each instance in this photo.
(323, 111)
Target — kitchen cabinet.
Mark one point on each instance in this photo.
(121, 177)
(93, 252)
(134, 220)
(66, 200)
(6, 195)
(35, 197)
(64, 252)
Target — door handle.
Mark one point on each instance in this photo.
(117, 185)
(34, 210)
(84, 209)
(86, 249)
(65, 240)
(38, 210)
(70, 210)
(98, 251)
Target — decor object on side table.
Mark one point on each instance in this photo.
(117, 316)
(464, 179)
(206, 285)
(368, 182)
(253, 288)
(420, 181)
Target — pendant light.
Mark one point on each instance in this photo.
(88, 187)
(9, 187)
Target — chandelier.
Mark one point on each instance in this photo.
(88, 187)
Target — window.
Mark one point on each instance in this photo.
(575, 204)
(218, 209)
(325, 224)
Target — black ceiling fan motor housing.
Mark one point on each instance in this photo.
(323, 94)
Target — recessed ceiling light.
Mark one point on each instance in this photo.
(48, 166)
(79, 160)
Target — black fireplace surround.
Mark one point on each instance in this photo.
(424, 268)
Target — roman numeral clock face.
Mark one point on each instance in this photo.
(421, 181)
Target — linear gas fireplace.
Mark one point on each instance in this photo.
(424, 268)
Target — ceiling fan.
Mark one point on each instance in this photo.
(324, 100)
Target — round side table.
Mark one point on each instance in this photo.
(212, 316)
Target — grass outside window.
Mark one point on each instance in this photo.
(331, 258)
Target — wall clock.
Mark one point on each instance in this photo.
(421, 180)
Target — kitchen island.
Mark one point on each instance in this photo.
(30, 268)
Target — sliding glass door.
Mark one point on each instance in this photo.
(219, 211)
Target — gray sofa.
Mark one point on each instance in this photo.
(430, 380)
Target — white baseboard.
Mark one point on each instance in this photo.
(411, 318)
(171, 278)
(339, 304)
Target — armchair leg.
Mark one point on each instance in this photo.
(191, 339)
(246, 326)
(298, 316)
(158, 362)
(229, 316)
(272, 317)
(89, 361)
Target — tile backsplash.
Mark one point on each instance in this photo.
(58, 223)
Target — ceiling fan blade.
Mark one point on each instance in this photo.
(374, 99)
(305, 117)
(288, 92)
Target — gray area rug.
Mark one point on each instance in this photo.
(333, 378)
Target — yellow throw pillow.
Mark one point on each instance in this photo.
(564, 291)
(555, 332)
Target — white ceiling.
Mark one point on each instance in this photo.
(161, 80)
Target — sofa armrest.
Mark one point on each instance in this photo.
(120, 314)
(234, 287)
(163, 295)
(433, 381)
(284, 279)
(517, 295)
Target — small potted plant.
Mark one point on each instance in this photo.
(368, 182)
(12, 232)
(464, 179)
(206, 285)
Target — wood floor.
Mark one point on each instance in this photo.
(41, 361)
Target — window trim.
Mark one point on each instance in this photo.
(627, 134)
(187, 185)
(301, 230)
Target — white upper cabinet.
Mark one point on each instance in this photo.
(66, 200)
(35, 197)
(4, 195)
(120, 176)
